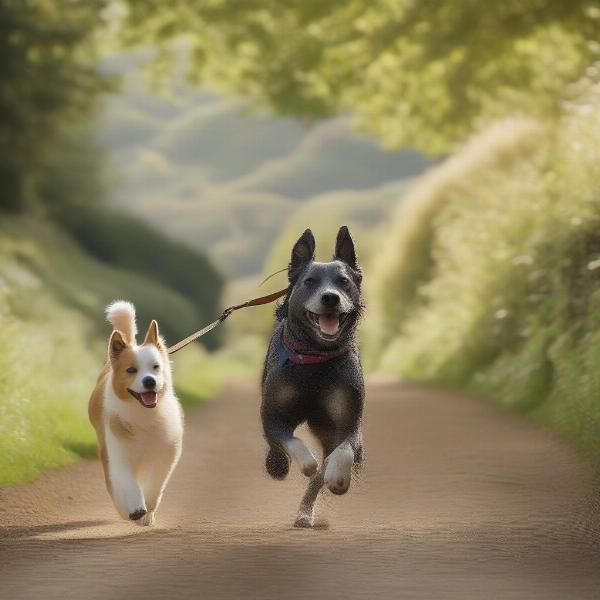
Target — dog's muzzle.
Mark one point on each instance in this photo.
(146, 399)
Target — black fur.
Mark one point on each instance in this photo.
(293, 394)
(277, 463)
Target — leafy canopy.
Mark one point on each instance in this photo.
(48, 79)
(413, 72)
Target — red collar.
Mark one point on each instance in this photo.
(302, 355)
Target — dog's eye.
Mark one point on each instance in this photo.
(131, 370)
(344, 280)
(309, 281)
(156, 367)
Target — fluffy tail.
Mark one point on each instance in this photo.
(121, 315)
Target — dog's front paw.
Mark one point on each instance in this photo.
(309, 466)
(304, 521)
(147, 520)
(137, 514)
(304, 457)
(277, 463)
(339, 469)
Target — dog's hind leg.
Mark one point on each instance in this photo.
(306, 511)
(335, 473)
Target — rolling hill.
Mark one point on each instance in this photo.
(226, 180)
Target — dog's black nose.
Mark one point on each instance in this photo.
(149, 382)
(330, 300)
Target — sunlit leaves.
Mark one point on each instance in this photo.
(412, 72)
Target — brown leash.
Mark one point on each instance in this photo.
(254, 302)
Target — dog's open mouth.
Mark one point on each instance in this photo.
(147, 399)
(328, 324)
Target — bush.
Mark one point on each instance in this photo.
(73, 190)
(129, 243)
(494, 285)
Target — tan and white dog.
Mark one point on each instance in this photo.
(137, 417)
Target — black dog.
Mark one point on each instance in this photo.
(313, 373)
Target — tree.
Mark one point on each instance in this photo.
(423, 73)
(48, 78)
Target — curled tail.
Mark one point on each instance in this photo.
(121, 315)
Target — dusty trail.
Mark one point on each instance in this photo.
(455, 502)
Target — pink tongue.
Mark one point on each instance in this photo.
(329, 324)
(149, 398)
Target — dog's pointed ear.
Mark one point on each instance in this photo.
(116, 345)
(303, 251)
(152, 335)
(344, 248)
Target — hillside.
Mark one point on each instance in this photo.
(227, 180)
(504, 298)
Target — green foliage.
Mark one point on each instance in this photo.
(130, 244)
(49, 78)
(50, 86)
(423, 74)
(59, 267)
(507, 303)
(46, 373)
(74, 187)
(410, 244)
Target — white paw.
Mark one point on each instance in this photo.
(339, 469)
(304, 457)
(304, 520)
(147, 520)
(309, 466)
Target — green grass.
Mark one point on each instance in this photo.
(493, 285)
(47, 372)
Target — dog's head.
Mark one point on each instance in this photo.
(324, 305)
(139, 372)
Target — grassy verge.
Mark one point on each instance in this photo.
(46, 374)
(494, 281)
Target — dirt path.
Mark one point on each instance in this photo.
(456, 501)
